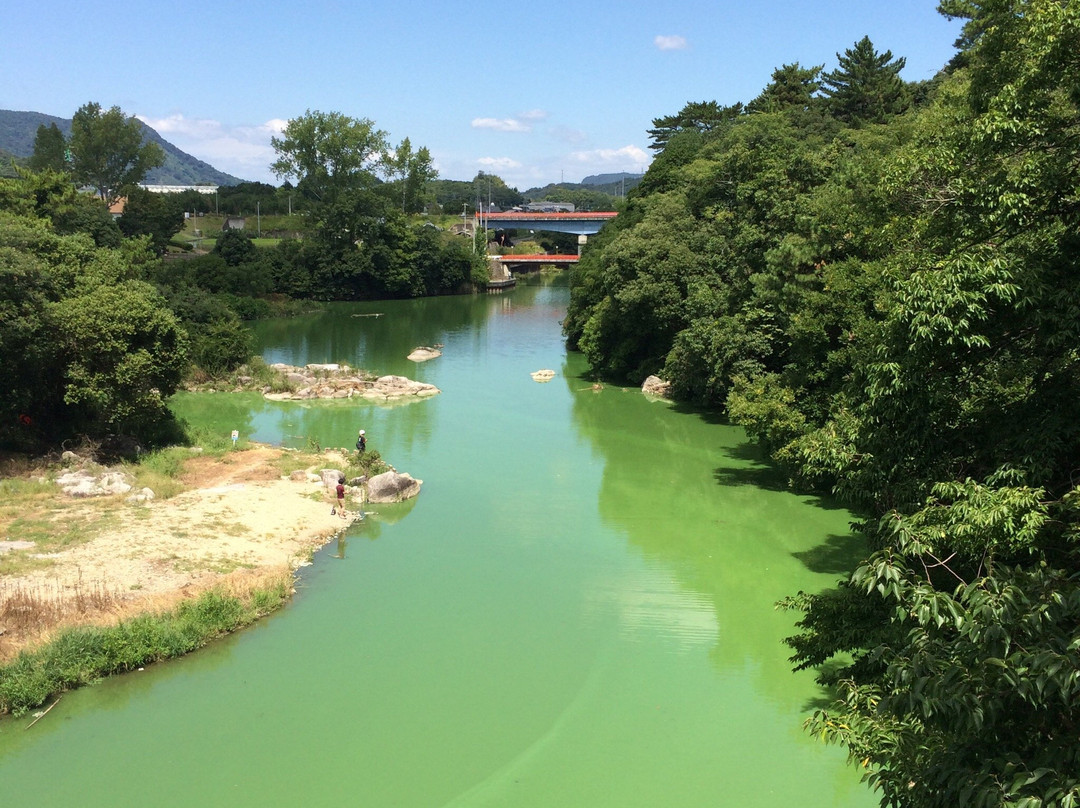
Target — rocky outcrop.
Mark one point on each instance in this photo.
(423, 354)
(87, 484)
(543, 375)
(341, 381)
(392, 486)
(655, 386)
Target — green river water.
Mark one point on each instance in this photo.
(578, 610)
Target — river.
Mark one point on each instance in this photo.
(578, 609)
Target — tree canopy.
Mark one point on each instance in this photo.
(866, 87)
(327, 152)
(108, 152)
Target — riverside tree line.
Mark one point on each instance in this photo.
(881, 282)
(97, 331)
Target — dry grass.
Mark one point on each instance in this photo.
(31, 616)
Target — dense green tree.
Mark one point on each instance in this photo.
(157, 216)
(409, 172)
(328, 153)
(697, 116)
(50, 150)
(581, 198)
(235, 247)
(454, 196)
(960, 430)
(108, 152)
(866, 86)
(792, 87)
(123, 354)
(87, 347)
(222, 345)
(26, 345)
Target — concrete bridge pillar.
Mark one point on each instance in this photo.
(581, 242)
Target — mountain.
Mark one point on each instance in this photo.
(18, 130)
(613, 179)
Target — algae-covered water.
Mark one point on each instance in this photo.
(578, 610)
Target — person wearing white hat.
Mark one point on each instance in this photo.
(361, 442)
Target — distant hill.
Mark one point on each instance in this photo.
(18, 130)
(612, 179)
(610, 184)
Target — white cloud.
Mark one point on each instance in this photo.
(672, 42)
(243, 151)
(627, 158)
(501, 124)
(534, 115)
(499, 163)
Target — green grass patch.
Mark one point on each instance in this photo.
(50, 535)
(80, 656)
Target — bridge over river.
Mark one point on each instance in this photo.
(582, 224)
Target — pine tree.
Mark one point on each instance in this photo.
(866, 87)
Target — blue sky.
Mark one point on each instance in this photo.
(534, 92)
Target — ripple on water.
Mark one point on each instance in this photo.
(649, 604)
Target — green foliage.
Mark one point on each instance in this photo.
(153, 215)
(792, 87)
(454, 196)
(866, 87)
(328, 152)
(701, 117)
(235, 247)
(90, 347)
(49, 150)
(409, 173)
(123, 354)
(108, 152)
(222, 346)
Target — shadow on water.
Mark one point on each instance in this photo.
(753, 468)
(837, 555)
(824, 697)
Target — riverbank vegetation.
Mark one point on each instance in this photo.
(82, 655)
(100, 585)
(881, 281)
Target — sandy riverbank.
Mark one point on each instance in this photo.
(238, 522)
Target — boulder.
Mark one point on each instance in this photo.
(330, 477)
(655, 386)
(392, 486)
(543, 375)
(84, 484)
(423, 354)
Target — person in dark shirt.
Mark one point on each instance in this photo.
(341, 496)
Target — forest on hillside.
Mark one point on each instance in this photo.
(880, 281)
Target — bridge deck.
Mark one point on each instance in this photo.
(546, 217)
(536, 259)
(582, 224)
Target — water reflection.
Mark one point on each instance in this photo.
(722, 538)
